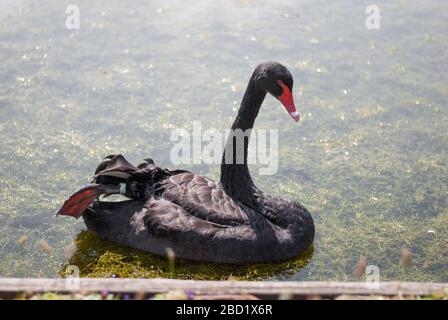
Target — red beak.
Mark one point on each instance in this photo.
(288, 101)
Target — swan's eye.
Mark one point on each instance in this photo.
(282, 84)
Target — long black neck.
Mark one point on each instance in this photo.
(235, 176)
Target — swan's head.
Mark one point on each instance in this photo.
(274, 78)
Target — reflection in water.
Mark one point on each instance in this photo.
(368, 158)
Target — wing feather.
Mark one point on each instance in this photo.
(202, 198)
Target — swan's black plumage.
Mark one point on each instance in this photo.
(228, 221)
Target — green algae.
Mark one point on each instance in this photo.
(99, 258)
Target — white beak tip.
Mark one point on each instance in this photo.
(295, 115)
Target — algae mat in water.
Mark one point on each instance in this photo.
(100, 258)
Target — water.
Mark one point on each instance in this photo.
(369, 159)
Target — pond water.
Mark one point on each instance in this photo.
(369, 158)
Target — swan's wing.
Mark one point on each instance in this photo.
(190, 236)
(202, 198)
(279, 206)
(164, 218)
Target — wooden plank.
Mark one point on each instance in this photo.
(256, 288)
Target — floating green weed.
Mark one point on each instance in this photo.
(99, 258)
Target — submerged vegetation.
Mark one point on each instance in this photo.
(101, 258)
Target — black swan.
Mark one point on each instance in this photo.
(230, 221)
